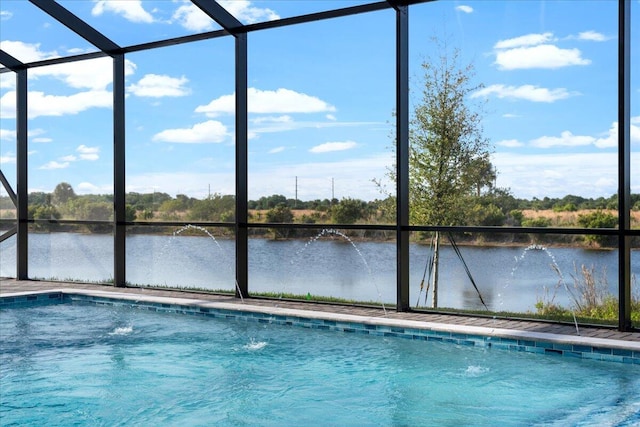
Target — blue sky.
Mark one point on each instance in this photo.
(321, 96)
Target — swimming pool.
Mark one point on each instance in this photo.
(82, 363)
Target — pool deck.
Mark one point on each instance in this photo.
(518, 329)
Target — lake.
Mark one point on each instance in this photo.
(508, 278)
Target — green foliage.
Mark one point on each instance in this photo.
(536, 222)
(280, 214)
(448, 156)
(592, 301)
(130, 213)
(516, 217)
(63, 193)
(213, 208)
(489, 215)
(598, 219)
(39, 198)
(6, 203)
(268, 202)
(569, 207)
(43, 212)
(147, 201)
(347, 211)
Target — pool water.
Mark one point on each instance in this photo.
(81, 364)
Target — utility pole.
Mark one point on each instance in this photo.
(332, 191)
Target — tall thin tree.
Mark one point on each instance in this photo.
(449, 158)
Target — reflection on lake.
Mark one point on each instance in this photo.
(509, 278)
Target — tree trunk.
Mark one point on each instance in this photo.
(436, 255)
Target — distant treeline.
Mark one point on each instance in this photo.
(493, 208)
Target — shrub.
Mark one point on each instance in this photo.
(536, 222)
(599, 219)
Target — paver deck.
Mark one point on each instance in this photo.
(9, 286)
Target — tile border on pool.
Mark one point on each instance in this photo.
(506, 339)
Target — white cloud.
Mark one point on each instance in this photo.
(11, 135)
(271, 127)
(157, 86)
(193, 19)
(7, 81)
(131, 10)
(79, 51)
(42, 140)
(607, 139)
(541, 56)
(8, 158)
(510, 116)
(526, 92)
(331, 117)
(464, 8)
(54, 165)
(535, 51)
(328, 147)
(566, 139)
(557, 174)
(88, 153)
(5, 15)
(510, 143)
(611, 138)
(276, 150)
(268, 102)
(592, 36)
(56, 105)
(89, 188)
(210, 131)
(94, 74)
(7, 135)
(69, 158)
(26, 52)
(526, 40)
(272, 119)
(246, 13)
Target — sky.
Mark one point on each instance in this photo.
(321, 96)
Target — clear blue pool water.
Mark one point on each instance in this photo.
(78, 364)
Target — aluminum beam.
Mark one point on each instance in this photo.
(10, 62)
(7, 187)
(242, 192)
(77, 25)
(119, 200)
(22, 252)
(219, 14)
(624, 165)
(402, 157)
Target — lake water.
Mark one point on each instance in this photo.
(509, 278)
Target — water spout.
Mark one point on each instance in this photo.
(555, 267)
(331, 231)
(212, 237)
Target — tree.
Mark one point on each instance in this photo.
(63, 193)
(599, 219)
(449, 161)
(280, 214)
(347, 211)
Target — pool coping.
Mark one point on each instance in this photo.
(603, 349)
